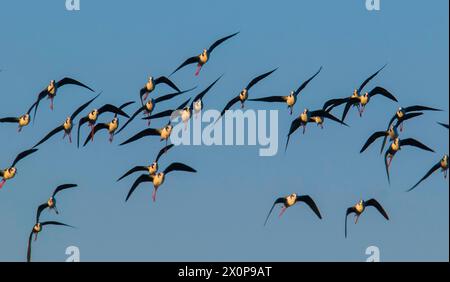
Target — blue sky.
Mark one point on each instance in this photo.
(218, 213)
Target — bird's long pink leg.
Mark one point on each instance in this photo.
(390, 161)
(401, 127)
(445, 174)
(92, 132)
(51, 103)
(145, 96)
(19, 129)
(35, 236)
(356, 219)
(282, 211)
(70, 137)
(197, 72)
(362, 111)
(111, 137)
(2, 183)
(147, 114)
(242, 105)
(290, 110)
(154, 195)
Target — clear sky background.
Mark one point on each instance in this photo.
(218, 213)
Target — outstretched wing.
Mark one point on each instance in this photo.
(141, 179)
(68, 80)
(63, 187)
(178, 167)
(312, 205)
(82, 107)
(39, 211)
(430, 172)
(381, 91)
(220, 41)
(23, 155)
(163, 151)
(80, 123)
(229, 105)
(133, 170)
(369, 79)
(259, 78)
(418, 108)
(374, 203)
(277, 201)
(272, 99)
(443, 124)
(97, 128)
(413, 142)
(372, 139)
(326, 114)
(294, 126)
(141, 109)
(350, 102)
(30, 239)
(165, 80)
(9, 120)
(330, 104)
(143, 133)
(191, 60)
(203, 93)
(349, 211)
(49, 135)
(112, 109)
(304, 84)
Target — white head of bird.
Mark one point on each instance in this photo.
(51, 202)
(198, 105)
(364, 99)
(291, 199)
(355, 93)
(360, 206)
(444, 162)
(158, 179)
(24, 120)
(9, 173)
(243, 95)
(93, 115)
(37, 227)
(150, 78)
(153, 168)
(51, 87)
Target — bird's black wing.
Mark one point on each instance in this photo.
(349, 211)
(165, 80)
(351, 101)
(41, 96)
(39, 211)
(141, 109)
(141, 179)
(407, 117)
(166, 113)
(82, 107)
(310, 202)
(374, 203)
(277, 201)
(271, 99)
(191, 60)
(68, 80)
(63, 187)
(97, 128)
(304, 84)
(163, 151)
(387, 166)
(112, 109)
(143, 133)
(330, 104)
(415, 143)
(170, 96)
(418, 108)
(381, 91)
(178, 167)
(372, 139)
(30, 239)
(133, 170)
(443, 124)
(203, 93)
(55, 223)
(124, 105)
(230, 104)
(220, 41)
(22, 155)
(294, 126)
(80, 123)
(325, 114)
(50, 134)
(430, 172)
(259, 78)
(9, 120)
(369, 79)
